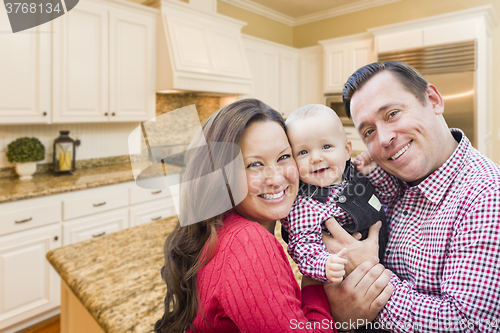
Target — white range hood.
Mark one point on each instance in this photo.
(200, 50)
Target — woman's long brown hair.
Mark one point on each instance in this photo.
(187, 249)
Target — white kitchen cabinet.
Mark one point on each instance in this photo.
(132, 66)
(311, 76)
(104, 63)
(29, 285)
(25, 74)
(200, 50)
(29, 288)
(94, 226)
(426, 34)
(31, 214)
(80, 65)
(95, 201)
(274, 71)
(289, 82)
(342, 57)
(152, 211)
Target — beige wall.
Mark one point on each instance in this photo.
(309, 34)
(258, 26)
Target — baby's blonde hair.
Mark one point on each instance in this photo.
(308, 111)
(312, 110)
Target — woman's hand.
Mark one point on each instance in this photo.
(359, 298)
(357, 251)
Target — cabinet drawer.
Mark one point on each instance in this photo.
(152, 211)
(94, 226)
(26, 218)
(93, 204)
(139, 195)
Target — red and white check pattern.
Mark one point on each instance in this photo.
(444, 246)
(304, 224)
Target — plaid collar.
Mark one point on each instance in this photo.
(437, 183)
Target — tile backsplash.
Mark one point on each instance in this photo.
(205, 105)
(98, 140)
(101, 140)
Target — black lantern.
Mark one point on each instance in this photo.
(64, 154)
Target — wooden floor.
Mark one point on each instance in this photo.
(51, 325)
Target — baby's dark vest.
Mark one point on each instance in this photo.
(358, 199)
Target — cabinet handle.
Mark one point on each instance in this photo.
(100, 204)
(102, 233)
(23, 221)
(105, 114)
(113, 114)
(156, 218)
(156, 192)
(56, 238)
(44, 114)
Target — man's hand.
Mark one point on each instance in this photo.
(357, 251)
(360, 297)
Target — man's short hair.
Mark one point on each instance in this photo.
(409, 77)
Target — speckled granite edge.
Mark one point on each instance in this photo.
(117, 276)
(13, 189)
(43, 168)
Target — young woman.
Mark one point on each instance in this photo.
(228, 273)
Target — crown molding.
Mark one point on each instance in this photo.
(487, 11)
(342, 10)
(290, 21)
(262, 10)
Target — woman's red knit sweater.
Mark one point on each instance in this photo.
(249, 286)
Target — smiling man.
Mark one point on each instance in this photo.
(442, 200)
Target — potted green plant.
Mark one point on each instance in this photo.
(25, 152)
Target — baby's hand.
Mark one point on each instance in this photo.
(364, 163)
(335, 266)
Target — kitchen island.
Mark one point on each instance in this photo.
(116, 278)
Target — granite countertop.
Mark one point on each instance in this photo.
(117, 276)
(12, 189)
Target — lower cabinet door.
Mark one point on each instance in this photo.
(152, 211)
(94, 226)
(28, 284)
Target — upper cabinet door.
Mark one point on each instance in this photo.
(230, 53)
(131, 66)
(25, 74)
(194, 52)
(80, 60)
(336, 66)
(361, 54)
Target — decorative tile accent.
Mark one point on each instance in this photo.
(205, 105)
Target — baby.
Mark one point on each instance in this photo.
(329, 187)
